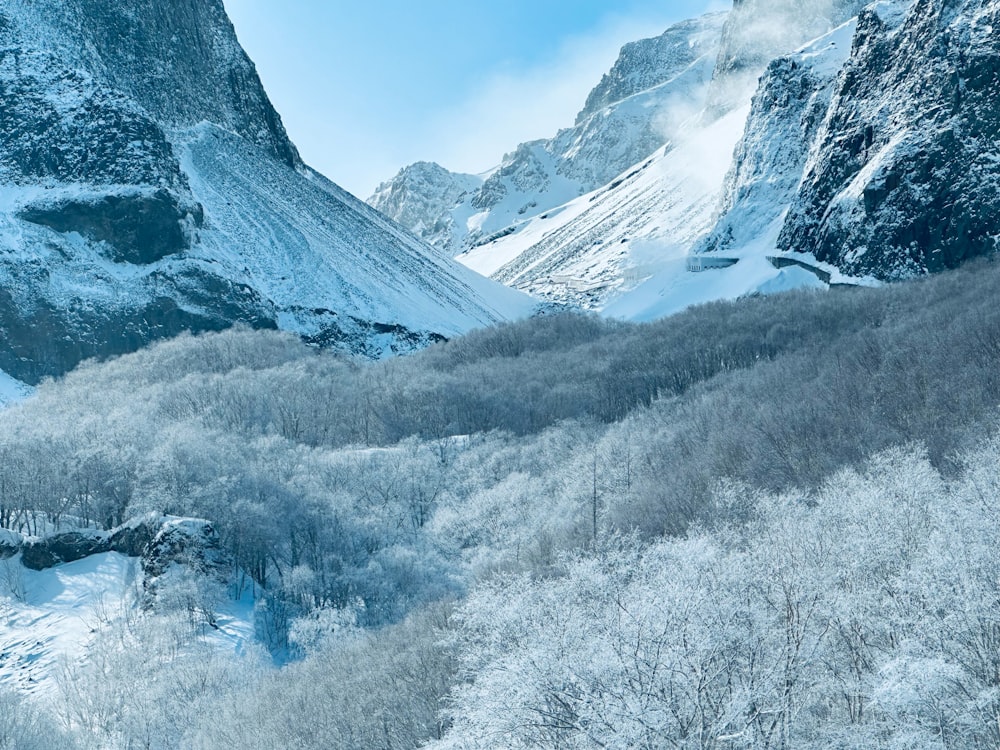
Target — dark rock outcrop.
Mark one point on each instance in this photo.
(138, 228)
(159, 541)
(10, 543)
(179, 60)
(191, 543)
(906, 174)
(134, 537)
(39, 554)
(786, 115)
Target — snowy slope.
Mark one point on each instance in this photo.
(723, 183)
(763, 181)
(51, 615)
(53, 618)
(601, 243)
(319, 254)
(58, 615)
(12, 390)
(634, 249)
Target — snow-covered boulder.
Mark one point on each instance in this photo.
(134, 536)
(10, 543)
(69, 546)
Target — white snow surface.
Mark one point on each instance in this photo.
(759, 188)
(606, 242)
(51, 615)
(305, 243)
(13, 390)
(54, 616)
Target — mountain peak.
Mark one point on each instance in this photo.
(177, 59)
(647, 63)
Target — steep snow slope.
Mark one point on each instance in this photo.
(635, 109)
(330, 264)
(638, 233)
(737, 257)
(606, 241)
(121, 221)
(649, 217)
(12, 390)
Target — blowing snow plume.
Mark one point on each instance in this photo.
(757, 31)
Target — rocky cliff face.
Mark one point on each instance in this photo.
(421, 198)
(905, 174)
(177, 60)
(635, 109)
(648, 63)
(786, 115)
(148, 187)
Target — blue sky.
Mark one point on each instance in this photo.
(365, 88)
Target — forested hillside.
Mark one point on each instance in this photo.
(764, 524)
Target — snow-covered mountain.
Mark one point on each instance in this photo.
(868, 153)
(147, 186)
(638, 106)
(625, 222)
(758, 31)
(640, 229)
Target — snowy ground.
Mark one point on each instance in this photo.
(53, 617)
(12, 390)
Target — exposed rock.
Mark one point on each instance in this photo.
(10, 543)
(48, 551)
(788, 111)
(905, 177)
(648, 63)
(43, 339)
(138, 228)
(188, 542)
(134, 536)
(179, 60)
(421, 198)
